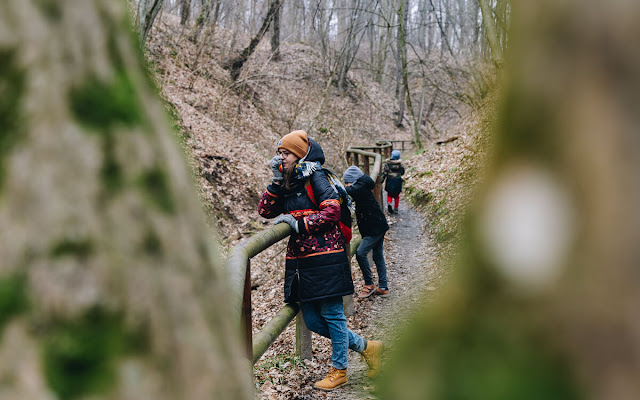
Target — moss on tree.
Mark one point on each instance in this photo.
(12, 86)
(13, 297)
(80, 355)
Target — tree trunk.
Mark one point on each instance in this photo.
(543, 302)
(401, 61)
(491, 32)
(149, 19)
(275, 34)
(235, 65)
(185, 11)
(111, 283)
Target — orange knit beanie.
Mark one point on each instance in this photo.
(296, 142)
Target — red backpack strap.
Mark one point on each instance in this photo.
(312, 197)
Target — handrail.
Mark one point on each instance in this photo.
(239, 268)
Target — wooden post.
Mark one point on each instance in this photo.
(303, 339)
(365, 165)
(246, 311)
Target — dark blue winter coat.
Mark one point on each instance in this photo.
(316, 264)
(392, 174)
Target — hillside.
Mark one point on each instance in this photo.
(231, 129)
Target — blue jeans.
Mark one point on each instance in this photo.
(326, 318)
(374, 243)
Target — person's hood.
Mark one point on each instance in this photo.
(315, 153)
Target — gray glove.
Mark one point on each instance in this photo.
(275, 164)
(289, 219)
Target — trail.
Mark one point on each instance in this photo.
(410, 274)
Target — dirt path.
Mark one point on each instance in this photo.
(409, 272)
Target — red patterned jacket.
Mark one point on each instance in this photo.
(316, 264)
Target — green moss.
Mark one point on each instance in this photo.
(155, 186)
(111, 172)
(50, 8)
(13, 297)
(101, 105)
(78, 248)
(12, 86)
(152, 245)
(80, 355)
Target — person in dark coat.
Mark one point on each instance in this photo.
(317, 269)
(373, 226)
(392, 176)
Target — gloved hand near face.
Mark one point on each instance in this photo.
(275, 164)
(288, 219)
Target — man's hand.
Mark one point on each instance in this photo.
(275, 164)
(288, 219)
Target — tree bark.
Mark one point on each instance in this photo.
(401, 60)
(275, 34)
(235, 65)
(149, 19)
(111, 283)
(491, 32)
(185, 11)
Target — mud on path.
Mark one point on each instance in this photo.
(411, 278)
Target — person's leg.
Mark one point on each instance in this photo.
(361, 255)
(378, 259)
(313, 318)
(389, 198)
(315, 321)
(396, 202)
(332, 311)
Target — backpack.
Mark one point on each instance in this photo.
(345, 203)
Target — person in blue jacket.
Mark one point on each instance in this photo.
(372, 225)
(317, 269)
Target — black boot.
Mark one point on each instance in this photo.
(389, 209)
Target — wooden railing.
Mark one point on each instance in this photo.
(369, 159)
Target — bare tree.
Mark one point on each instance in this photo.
(491, 32)
(112, 287)
(235, 64)
(147, 17)
(275, 33)
(185, 11)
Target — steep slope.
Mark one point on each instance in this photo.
(231, 128)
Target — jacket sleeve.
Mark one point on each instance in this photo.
(271, 203)
(328, 204)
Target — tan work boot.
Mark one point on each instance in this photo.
(335, 379)
(372, 355)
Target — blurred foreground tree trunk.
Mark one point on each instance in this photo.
(110, 284)
(544, 301)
